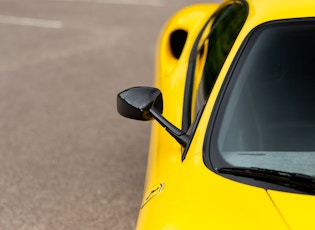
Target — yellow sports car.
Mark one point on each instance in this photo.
(235, 146)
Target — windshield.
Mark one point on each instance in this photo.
(267, 116)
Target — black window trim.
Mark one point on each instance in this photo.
(186, 118)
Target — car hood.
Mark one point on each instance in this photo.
(296, 209)
(201, 199)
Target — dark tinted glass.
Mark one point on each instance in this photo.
(226, 26)
(268, 116)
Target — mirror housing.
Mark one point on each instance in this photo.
(136, 102)
(146, 103)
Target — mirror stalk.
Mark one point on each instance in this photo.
(179, 135)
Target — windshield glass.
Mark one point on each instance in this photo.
(267, 115)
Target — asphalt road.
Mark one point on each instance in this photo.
(67, 159)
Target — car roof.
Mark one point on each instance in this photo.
(269, 10)
(282, 5)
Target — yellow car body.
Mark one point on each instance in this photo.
(181, 192)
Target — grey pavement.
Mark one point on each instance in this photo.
(67, 159)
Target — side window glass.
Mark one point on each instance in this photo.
(216, 46)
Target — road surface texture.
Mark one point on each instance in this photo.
(67, 159)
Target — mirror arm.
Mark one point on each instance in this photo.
(178, 134)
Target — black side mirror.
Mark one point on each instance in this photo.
(136, 102)
(146, 103)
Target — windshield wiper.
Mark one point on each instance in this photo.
(297, 181)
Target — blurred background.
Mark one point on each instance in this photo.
(67, 159)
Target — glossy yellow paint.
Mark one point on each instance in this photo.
(165, 153)
(222, 204)
(193, 197)
(297, 209)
